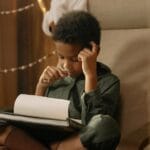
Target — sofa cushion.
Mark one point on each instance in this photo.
(127, 52)
(121, 14)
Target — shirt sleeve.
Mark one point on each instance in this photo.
(103, 100)
(98, 111)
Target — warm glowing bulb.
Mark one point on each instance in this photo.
(42, 5)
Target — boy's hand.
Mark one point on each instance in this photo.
(48, 77)
(88, 58)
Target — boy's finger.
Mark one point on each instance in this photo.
(95, 47)
(62, 71)
(53, 72)
(80, 56)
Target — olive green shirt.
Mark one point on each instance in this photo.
(97, 109)
(103, 100)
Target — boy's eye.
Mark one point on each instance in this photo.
(61, 57)
(75, 59)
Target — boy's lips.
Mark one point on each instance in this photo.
(70, 73)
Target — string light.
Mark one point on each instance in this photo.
(42, 6)
(24, 67)
(17, 10)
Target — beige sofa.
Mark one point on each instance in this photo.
(125, 47)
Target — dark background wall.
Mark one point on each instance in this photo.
(22, 41)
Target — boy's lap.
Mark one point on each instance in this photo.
(3, 148)
(71, 142)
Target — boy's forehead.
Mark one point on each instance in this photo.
(68, 50)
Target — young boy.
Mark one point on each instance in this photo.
(91, 88)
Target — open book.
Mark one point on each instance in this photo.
(32, 110)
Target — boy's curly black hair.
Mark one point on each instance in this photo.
(77, 27)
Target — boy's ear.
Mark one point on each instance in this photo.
(98, 49)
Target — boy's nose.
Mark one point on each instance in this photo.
(67, 65)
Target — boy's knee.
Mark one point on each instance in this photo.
(3, 147)
(4, 133)
(102, 132)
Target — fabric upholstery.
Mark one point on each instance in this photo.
(125, 47)
(121, 14)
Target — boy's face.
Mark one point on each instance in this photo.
(68, 58)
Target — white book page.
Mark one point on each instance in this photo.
(39, 106)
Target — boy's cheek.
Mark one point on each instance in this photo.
(59, 64)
